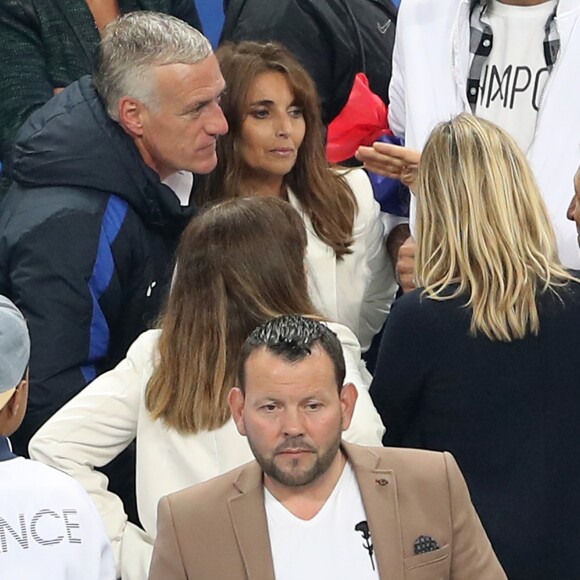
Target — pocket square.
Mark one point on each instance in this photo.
(425, 544)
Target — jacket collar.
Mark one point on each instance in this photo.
(249, 521)
(378, 489)
(6, 449)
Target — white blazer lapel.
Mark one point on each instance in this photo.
(321, 264)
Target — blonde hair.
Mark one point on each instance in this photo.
(483, 228)
(240, 264)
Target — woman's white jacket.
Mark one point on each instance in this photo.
(357, 290)
(109, 413)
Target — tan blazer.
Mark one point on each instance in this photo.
(217, 530)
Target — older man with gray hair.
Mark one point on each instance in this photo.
(102, 178)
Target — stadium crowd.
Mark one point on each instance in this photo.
(299, 305)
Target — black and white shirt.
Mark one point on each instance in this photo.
(514, 49)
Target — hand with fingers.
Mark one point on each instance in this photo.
(405, 267)
(391, 161)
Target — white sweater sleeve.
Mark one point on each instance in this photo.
(94, 428)
(366, 427)
(397, 100)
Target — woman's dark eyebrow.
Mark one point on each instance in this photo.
(263, 102)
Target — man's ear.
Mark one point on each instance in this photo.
(236, 401)
(348, 397)
(132, 114)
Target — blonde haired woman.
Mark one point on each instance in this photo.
(240, 264)
(483, 358)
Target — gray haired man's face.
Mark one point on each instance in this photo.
(181, 132)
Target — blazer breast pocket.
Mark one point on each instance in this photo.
(429, 566)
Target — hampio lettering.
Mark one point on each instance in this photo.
(507, 85)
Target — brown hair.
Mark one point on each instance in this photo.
(239, 264)
(483, 228)
(324, 194)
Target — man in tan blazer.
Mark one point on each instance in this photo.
(311, 506)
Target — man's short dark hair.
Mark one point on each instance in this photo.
(292, 338)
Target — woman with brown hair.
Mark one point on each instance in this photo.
(275, 147)
(240, 264)
(482, 359)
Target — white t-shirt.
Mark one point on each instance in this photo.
(515, 73)
(49, 527)
(335, 544)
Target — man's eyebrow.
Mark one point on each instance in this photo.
(198, 105)
(267, 400)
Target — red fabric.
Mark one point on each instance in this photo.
(362, 121)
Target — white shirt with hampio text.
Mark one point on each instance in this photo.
(335, 544)
(515, 73)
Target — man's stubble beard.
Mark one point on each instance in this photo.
(303, 478)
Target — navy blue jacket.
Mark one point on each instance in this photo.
(87, 237)
(508, 411)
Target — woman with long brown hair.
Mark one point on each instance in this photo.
(240, 264)
(275, 147)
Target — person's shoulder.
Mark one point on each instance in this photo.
(145, 343)
(561, 300)
(35, 488)
(424, 14)
(53, 481)
(203, 496)
(358, 181)
(207, 504)
(412, 468)
(343, 332)
(423, 315)
(441, 5)
(419, 300)
(413, 302)
(407, 460)
(36, 203)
